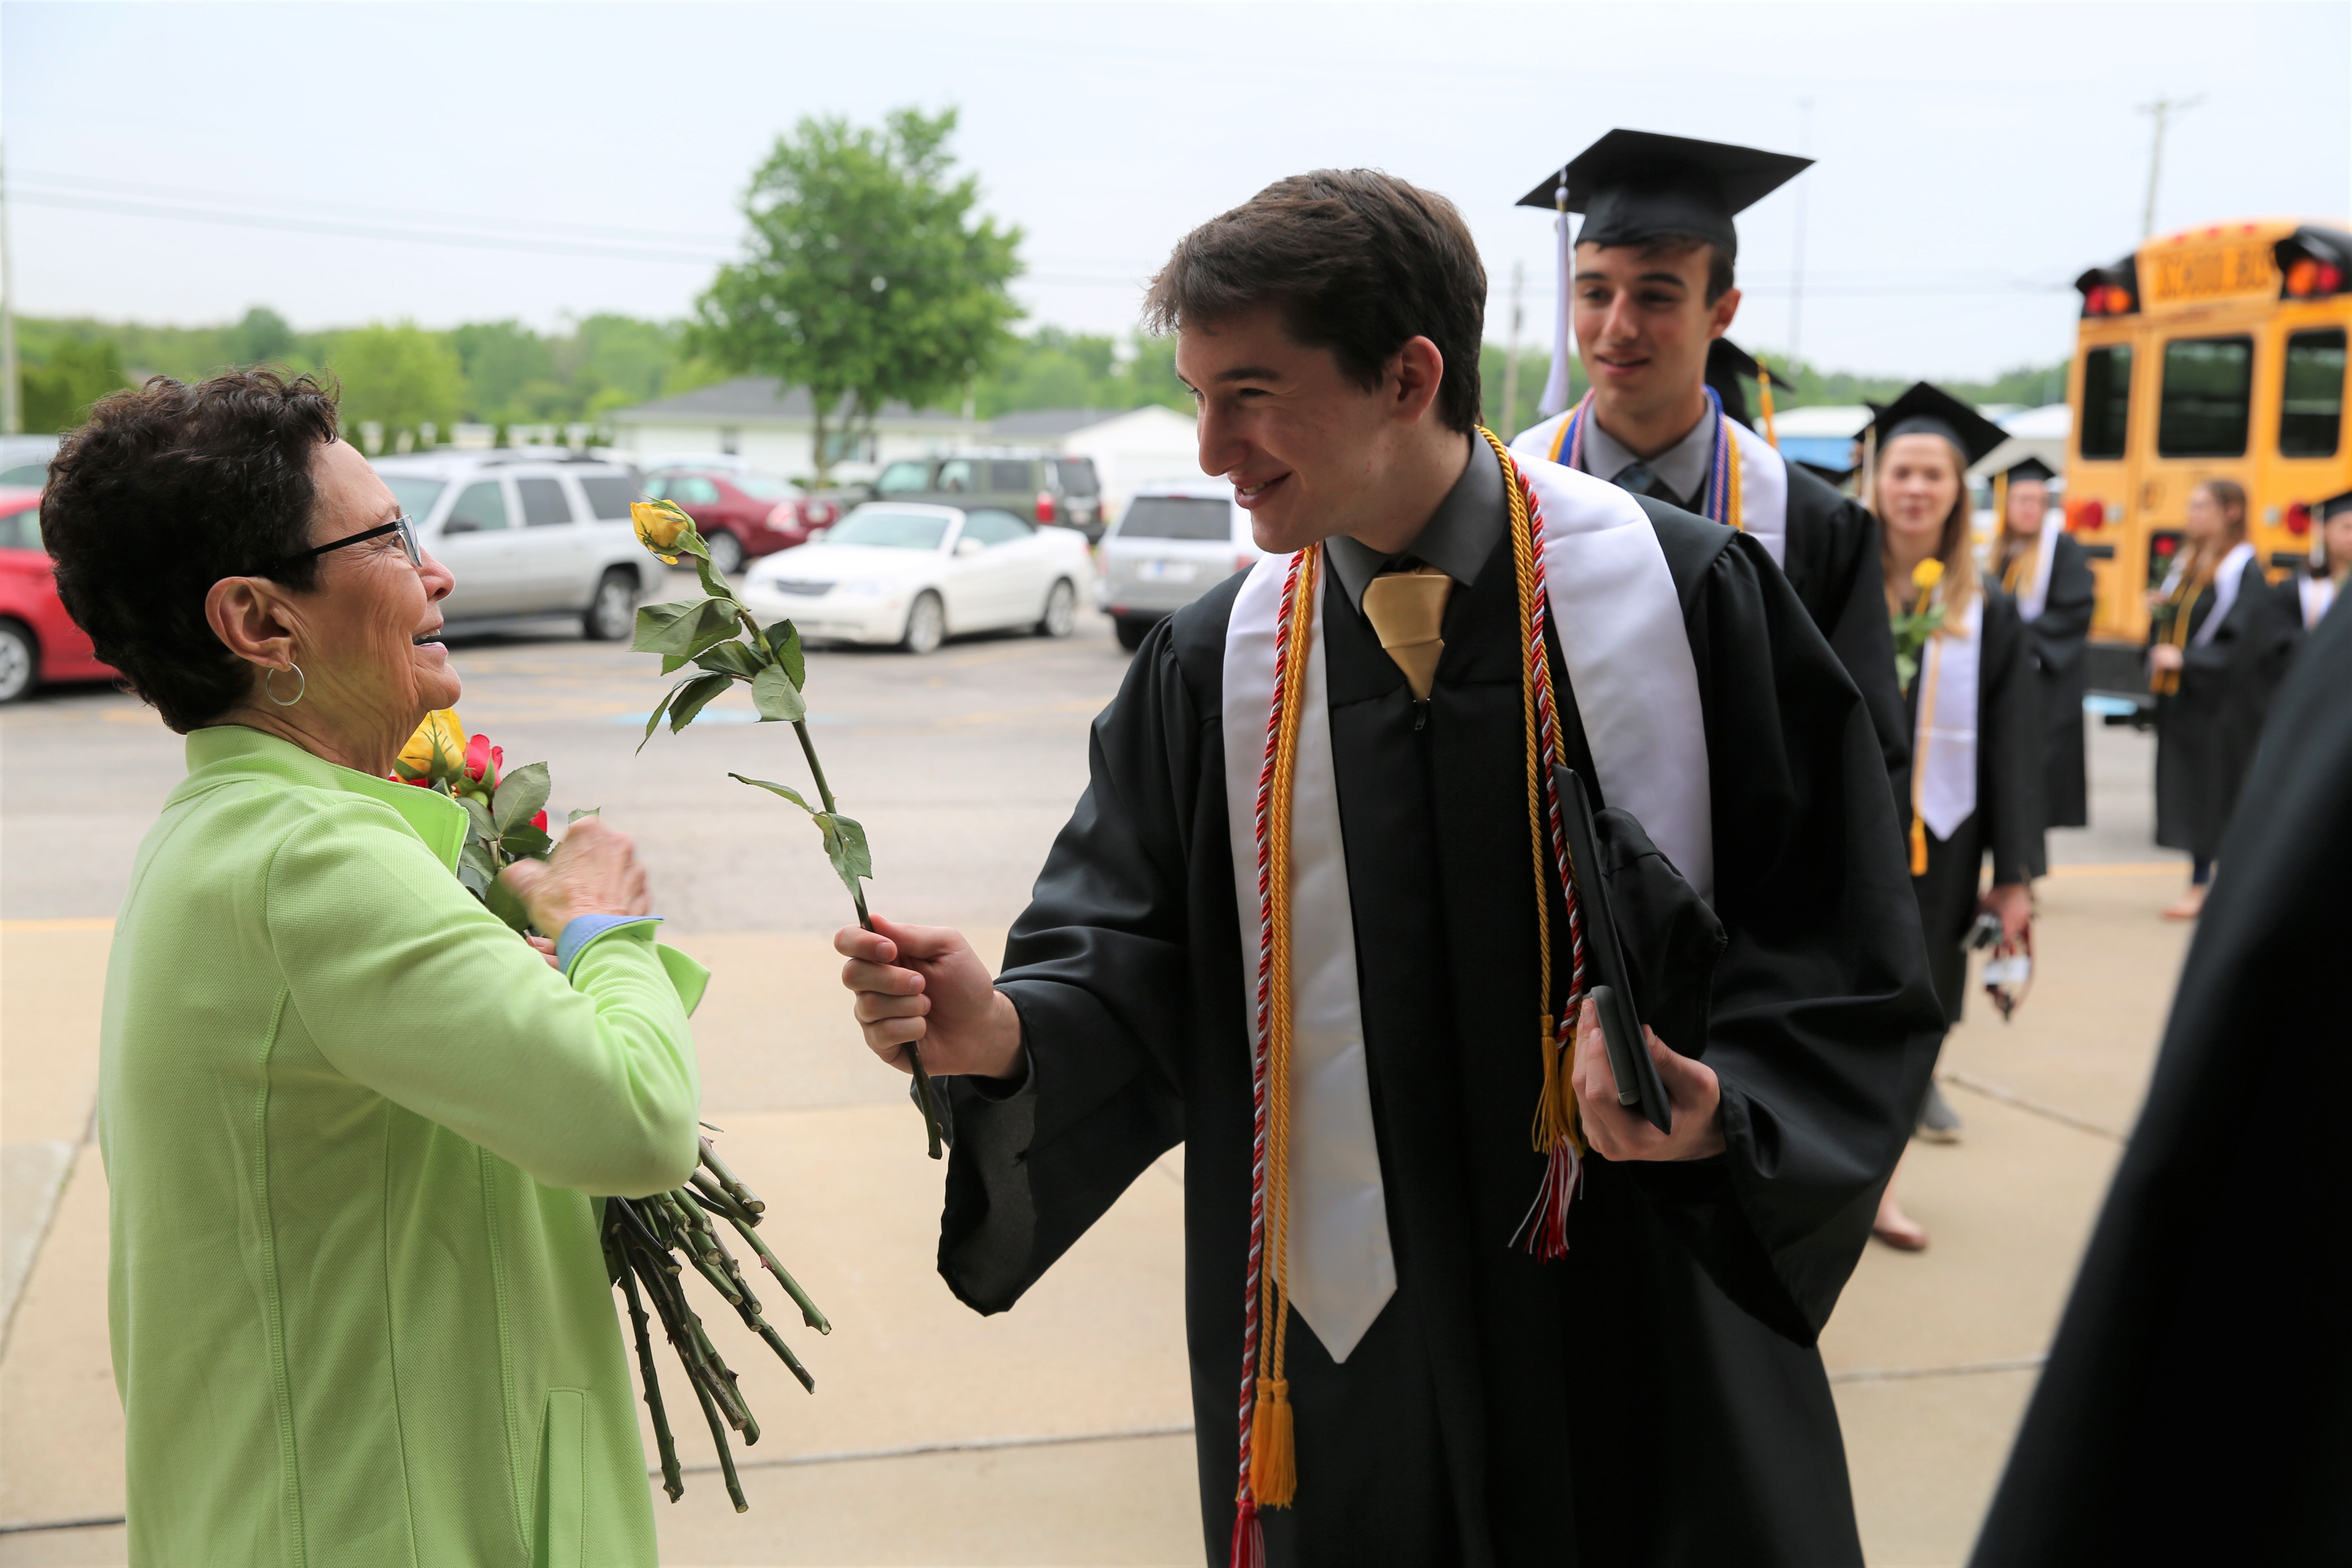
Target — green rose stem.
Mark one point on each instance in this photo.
(672, 1482)
(914, 1051)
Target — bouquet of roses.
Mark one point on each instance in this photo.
(1924, 620)
(718, 637)
(645, 1238)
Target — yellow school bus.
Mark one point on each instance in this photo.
(2215, 352)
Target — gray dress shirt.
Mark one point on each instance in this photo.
(1682, 467)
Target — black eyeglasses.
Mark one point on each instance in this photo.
(403, 525)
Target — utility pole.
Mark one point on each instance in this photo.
(11, 413)
(1511, 364)
(2161, 111)
(1796, 272)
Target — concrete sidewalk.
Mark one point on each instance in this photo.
(1056, 1434)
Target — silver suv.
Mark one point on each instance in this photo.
(530, 534)
(1174, 542)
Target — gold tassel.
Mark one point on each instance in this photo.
(1274, 1456)
(1764, 402)
(1918, 847)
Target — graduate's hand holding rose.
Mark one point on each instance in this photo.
(925, 983)
(1622, 1133)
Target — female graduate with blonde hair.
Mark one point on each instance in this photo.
(1968, 676)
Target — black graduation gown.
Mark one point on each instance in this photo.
(2061, 633)
(1829, 555)
(2206, 730)
(1620, 1408)
(2007, 822)
(2196, 1406)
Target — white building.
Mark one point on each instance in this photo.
(756, 418)
(1129, 449)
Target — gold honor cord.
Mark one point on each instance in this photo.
(2185, 592)
(1933, 656)
(1567, 448)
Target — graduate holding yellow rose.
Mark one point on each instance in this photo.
(1968, 676)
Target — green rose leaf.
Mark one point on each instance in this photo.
(524, 842)
(845, 845)
(778, 700)
(694, 626)
(591, 811)
(732, 659)
(672, 663)
(694, 697)
(475, 869)
(507, 907)
(712, 583)
(786, 638)
(787, 791)
(481, 825)
(522, 794)
(660, 708)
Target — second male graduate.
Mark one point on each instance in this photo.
(1649, 290)
(1448, 1300)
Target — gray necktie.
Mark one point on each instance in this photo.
(1639, 477)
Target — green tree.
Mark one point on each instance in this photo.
(261, 337)
(868, 276)
(398, 376)
(500, 359)
(74, 373)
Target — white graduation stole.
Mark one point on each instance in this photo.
(1763, 477)
(1619, 624)
(2036, 596)
(1945, 747)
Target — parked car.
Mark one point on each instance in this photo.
(742, 513)
(530, 535)
(1033, 484)
(913, 574)
(38, 641)
(1175, 542)
(24, 459)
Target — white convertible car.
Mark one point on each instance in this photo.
(897, 573)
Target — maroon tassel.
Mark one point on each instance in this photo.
(1544, 1232)
(1249, 1539)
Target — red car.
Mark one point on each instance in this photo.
(741, 514)
(38, 642)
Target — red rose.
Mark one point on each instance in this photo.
(540, 822)
(483, 761)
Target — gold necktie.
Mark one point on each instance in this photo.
(1407, 609)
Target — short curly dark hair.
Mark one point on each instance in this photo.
(1359, 263)
(166, 490)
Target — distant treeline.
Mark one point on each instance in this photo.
(504, 373)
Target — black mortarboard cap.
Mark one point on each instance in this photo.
(2334, 506)
(2029, 468)
(1635, 185)
(1727, 364)
(1928, 410)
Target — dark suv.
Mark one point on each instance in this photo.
(742, 514)
(1034, 484)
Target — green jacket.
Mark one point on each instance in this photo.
(351, 1124)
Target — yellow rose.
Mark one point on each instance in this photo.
(658, 525)
(1928, 573)
(437, 749)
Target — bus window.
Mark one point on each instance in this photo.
(2208, 387)
(2106, 400)
(2310, 408)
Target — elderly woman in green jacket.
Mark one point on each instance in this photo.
(351, 1121)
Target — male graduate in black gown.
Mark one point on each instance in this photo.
(1652, 1396)
(2047, 574)
(1650, 291)
(2196, 1406)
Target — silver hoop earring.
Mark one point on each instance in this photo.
(301, 681)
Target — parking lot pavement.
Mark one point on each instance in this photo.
(1057, 1433)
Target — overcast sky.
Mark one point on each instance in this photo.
(1972, 158)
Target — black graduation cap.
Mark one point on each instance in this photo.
(1928, 410)
(1727, 364)
(2029, 468)
(2334, 506)
(1633, 185)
